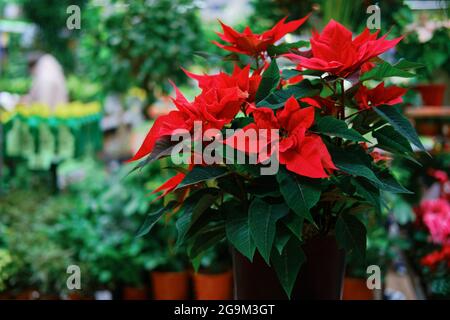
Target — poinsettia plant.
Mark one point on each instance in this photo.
(319, 158)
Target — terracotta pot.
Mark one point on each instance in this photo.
(49, 297)
(427, 128)
(133, 293)
(170, 285)
(356, 289)
(432, 94)
(213, 286)
(29, 294)
(320, 277)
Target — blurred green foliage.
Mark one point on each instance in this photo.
(92, 223)
(54, 36)
(352, 14)
(433, 54)
(139, 43)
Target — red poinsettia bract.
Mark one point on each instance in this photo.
(221, 99)
(380, 95)
(301, 151)
(334, 51)
(253, 44)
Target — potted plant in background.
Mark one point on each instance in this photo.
(288, 229)
(41, 263)
(214, 279)
(169, 277)
(427, 42)
(382, 249)
(432, 246)
(101, 229)
(7, 269)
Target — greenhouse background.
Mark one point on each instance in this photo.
(70, 200)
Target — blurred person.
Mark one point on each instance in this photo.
(48, 82)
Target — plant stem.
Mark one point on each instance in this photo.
(342, 111)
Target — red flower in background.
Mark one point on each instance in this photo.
(436, 217)
(302, 152)
(380, 95)
(442, 177)
(439, 175)
(432, 259)
(335, 52)
(253, 44)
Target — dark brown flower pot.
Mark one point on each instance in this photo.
(170, 285)
(320, 278)
(213, 286)
(432, 94)
(356, 289)
(5, 296)
(132, 293)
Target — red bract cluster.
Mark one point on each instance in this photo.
(299, 147)
(253, 44)
(335, 52)
(369, 98)
(300, 150)
(221, 99)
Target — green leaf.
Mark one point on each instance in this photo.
(400, 124)
(269, 82)
(282, 236)
(192, 209)
(369, 192)
(207, 217)
(241, 122)
(277, 98)
(262, 221)
(299, 195)
(295, 224)
(333, 127)
(389, 140)
(390, 184)
(286, 47)
(200, 174)
(290, 73)
(385, 70)
(205, 240)
(287, 264)
(356, 164)
(196, 263)
(228, 185)
(238, 231)
(163, 147)
(153, 218)
(408, 65)
(351, 236)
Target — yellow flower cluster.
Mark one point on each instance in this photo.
(67, 111)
